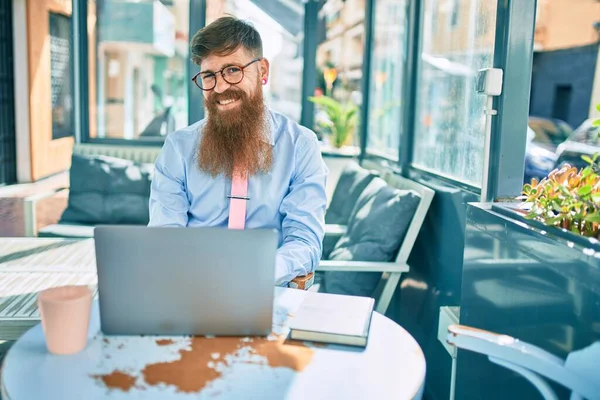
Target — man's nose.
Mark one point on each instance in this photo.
(221, 85)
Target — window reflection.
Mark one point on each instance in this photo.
(61, 75)
(138, 61)
(339, 67)
(458, 40)
(281, 27)
(387, 68)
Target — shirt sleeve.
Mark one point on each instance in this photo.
(303, 210)
(168, 202)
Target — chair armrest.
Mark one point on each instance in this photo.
(362, 266)
(29, 204)
(335, 230)
(303, 282)
(333, 233)
(497, 345)
(522, 358)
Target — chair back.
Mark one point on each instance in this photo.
(140, 154)
(351, 183)
(426, 197)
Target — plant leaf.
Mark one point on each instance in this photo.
(596, 197)
(585, 190)
(557, 202)
(531, 215)
(553, 221)
(593, 217)
(326, 102)
(587, 159)
(342, 118)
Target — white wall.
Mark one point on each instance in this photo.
(21, 81)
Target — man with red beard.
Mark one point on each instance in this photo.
(244, 166)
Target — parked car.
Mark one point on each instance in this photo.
(543, 138)
(583, 142)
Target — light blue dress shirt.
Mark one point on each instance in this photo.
(290, 198)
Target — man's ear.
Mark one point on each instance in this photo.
(264, 68)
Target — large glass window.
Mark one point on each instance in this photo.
(281, 27)
(138, 61)
(458, 40)
(387, 67)
(339, 70)
(61, 76)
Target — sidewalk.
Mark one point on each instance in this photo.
(48, 210)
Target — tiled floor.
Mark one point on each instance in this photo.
(48, 210)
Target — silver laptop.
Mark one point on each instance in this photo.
(185, 281)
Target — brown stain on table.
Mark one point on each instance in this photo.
(197, 366)
(295, 356)
(164, 342)
(191, 373)
(118, 380)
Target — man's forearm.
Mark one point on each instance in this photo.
(295, 258)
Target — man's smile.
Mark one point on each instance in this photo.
(226, 104)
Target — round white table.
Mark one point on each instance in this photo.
(392, 366)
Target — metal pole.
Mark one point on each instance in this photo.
(195, 97)
(410, 85)
(366, 77)
(309, 72)
(513, 53)
(81, 73)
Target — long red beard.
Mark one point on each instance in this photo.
(235, 136)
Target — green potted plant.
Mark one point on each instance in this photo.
(341, 119)
(567, 198)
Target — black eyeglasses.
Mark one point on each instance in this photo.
(232, 74)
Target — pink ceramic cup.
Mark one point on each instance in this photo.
(65, 313)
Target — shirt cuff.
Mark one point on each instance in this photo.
(282, 272)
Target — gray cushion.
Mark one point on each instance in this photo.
(376, 230)
(108, 190)
(353, 180)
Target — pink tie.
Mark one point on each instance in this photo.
(238, 199)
